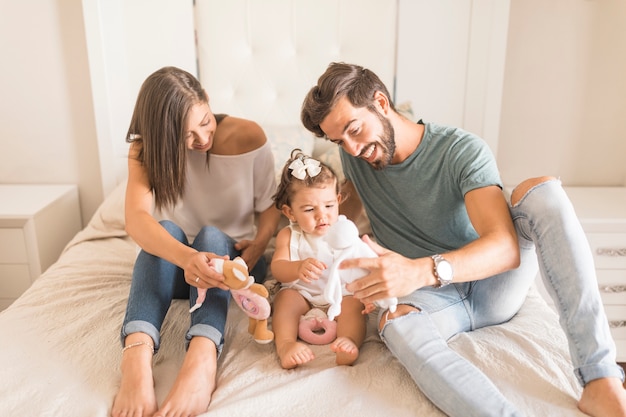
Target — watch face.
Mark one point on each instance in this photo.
(444, 270)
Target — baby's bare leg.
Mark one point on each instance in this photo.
(289, 305)
(351, 329)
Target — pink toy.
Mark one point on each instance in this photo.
(343, 238)
(315, 328)
(251, 297)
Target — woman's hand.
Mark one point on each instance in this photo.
(199, 274)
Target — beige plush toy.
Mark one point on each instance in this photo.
(251, 297)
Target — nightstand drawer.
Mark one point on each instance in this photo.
(612, 285)
(617, 320)
(14, 280)
(12, 246)
(609, 250)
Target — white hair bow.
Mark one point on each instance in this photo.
(300, 167)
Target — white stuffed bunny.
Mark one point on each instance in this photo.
(343, 238)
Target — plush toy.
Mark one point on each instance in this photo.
(315, 328)
(343, 238)
(251, 297)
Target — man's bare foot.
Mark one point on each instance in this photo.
(136, 394)
(195, 383)
(346, 350)
(292, 354)
(604, 397)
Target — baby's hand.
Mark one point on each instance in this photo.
(368, 308)
(310, 270)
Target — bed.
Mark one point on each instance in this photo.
(61, 350)
(60, 347)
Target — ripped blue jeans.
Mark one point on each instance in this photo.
(551, 239)
(156, 282)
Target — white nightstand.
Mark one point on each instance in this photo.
(36, 222)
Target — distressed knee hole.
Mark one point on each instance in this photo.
(402, 310)
(523, 187)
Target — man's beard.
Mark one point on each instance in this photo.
(387, 144)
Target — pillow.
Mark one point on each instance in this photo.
(110, 214)
(284, 139)
(406, 109)
(108, 220)
(328, 153)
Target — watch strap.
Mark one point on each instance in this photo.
(437, 258)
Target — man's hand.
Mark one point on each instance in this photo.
(251, 251)
(391, 274)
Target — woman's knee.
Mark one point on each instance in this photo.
(211, 233)
(525, 186)
(401, 310)
(174, 230)
(212, 239)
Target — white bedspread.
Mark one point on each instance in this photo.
(60, 351)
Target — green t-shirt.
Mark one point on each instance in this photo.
(416, 208)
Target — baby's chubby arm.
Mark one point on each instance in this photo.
(285, 270)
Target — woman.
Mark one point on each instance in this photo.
(195, 182)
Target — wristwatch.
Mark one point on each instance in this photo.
(443, 271)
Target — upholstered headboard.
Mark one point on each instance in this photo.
(258, 58)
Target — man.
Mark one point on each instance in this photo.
(457, 256)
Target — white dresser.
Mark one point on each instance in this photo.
(36, 222)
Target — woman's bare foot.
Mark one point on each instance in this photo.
(292, 354)
(195, 383)
(345, 349)
(604, 397)
(136, 394)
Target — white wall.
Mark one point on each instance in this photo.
(127, 41)
(451, 56)
(47, 131)
(564, 101)
(71, 71)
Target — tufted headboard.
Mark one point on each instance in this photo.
(258, 58)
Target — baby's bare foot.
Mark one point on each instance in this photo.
(293, 354)
(346, 350)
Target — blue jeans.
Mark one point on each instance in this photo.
(551, 239)
(156, 282)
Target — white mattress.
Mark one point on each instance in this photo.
(60, 350)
